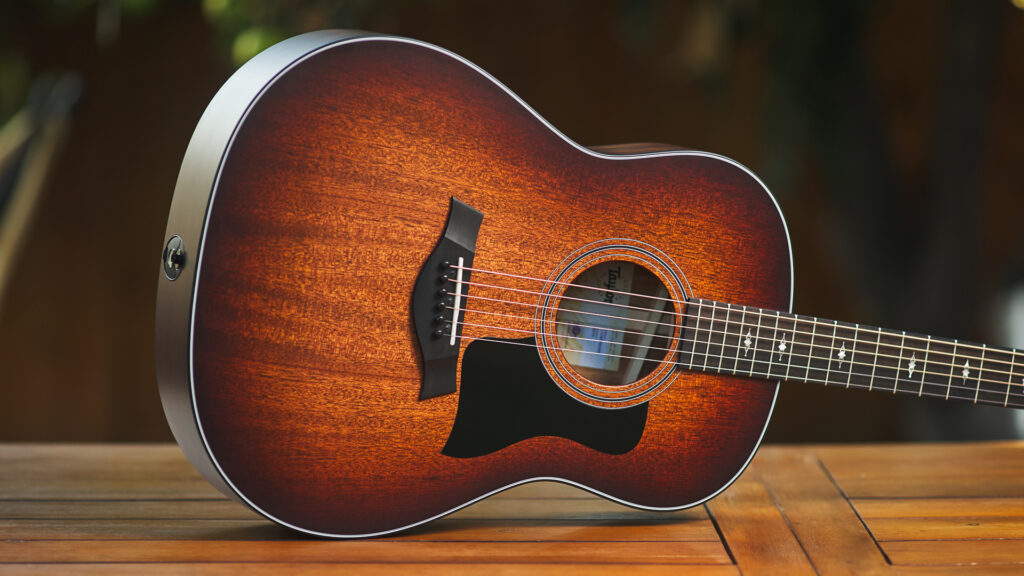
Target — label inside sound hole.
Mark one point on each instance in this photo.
(591, 329)
(613, 322)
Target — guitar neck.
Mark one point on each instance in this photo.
(746, 341)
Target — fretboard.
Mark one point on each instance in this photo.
(772, 345)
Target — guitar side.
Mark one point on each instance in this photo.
(313, 192)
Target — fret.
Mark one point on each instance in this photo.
(810, 351)
(1014, 394)
(799, 338)
(874, 361)
(757, 335)
(952, 367)
(1019, 398)
(765, 350)
(996, 370)
(787, 349)
(725, 355)
(910, 362)
(782, 345)
(725, 336)
(733, 337)
(861, 361)
(1009, 379)
(821, 355)
(981, 370)
(937, 369)
(711, 331)
(771, 345)
(739, 339)
(750, 339)
(839, 354)
(696, 330)
(889, 358)
(702, 346)
(808, 330)
(831, 351)
(688, 336)
(924, 366)
(842, 354)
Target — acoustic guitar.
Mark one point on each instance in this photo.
(390, 289)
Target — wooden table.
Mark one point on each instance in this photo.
(906, 509)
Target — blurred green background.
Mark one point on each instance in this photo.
(888, 131)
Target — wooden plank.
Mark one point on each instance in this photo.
(223, 509)
(571, 509)
(820, 516)
(939, 507)
(959, 528)
(317, 569)
(592, 508)
(98, 471)
(365, 551)
(950, 552)
(755, 531)
(449, 529)
(978, 570)
(784, 515)
(993, 469)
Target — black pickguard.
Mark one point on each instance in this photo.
(507, 396)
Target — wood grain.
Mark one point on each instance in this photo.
(336, 188)
(756, 530)
(975, 507)
(363, 551)
(819, 514)
(957, 552)
(991, 470)
(313, 568)
(787, 514)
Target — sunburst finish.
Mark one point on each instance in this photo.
(288, 360)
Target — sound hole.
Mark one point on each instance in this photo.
(614, 323)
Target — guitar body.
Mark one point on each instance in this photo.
(317, 185)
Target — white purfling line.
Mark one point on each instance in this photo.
(458, 302)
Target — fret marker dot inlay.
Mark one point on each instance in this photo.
(841, 354)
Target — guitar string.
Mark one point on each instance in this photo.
(569, 284)
(707, 354)
(560, 323)
(702, 303)
(922, 390)
(713, 305)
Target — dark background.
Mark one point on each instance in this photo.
(888, 131)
